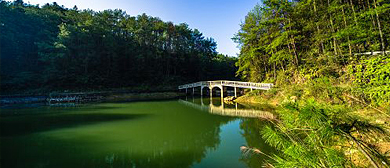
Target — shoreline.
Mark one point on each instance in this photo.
(87, 97)
(279, 97)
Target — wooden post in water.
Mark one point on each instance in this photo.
(235, 92)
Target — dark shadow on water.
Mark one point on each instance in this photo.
(169, 135)
(22, 106)
(252, 132)
(48, 109)
(251, 127)
(148, 134)
(20, 125)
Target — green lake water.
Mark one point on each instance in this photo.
(136, 134)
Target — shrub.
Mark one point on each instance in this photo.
(372, 76)
(314, 135)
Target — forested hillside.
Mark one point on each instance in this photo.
(54, 48)
(288, 42)
(310, 37)
(329, 60)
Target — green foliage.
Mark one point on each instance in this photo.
(304, 47)
(55, 48)
(372, 76)
(324, 89)
(310, 135)
(309, 39)
(306, 138)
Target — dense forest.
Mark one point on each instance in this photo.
(330, 62)
(311, 37)
(286, 42)
(55, 48)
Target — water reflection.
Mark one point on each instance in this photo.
(251, 131)
(167, 135)
(251, 120)
(219, 107)
(141, 134)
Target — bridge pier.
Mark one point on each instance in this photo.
(211, 92)
(221, 92)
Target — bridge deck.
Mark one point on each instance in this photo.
(238, 84)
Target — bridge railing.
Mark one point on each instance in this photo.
(228, 83)
(247, 84)
(191, 85)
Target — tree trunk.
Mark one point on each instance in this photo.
(379, 27)
(371, 16)
(292, 40)
(354, 13)
(274, 70)
(333, 31)
(318, 27)
(373, 163)
(296, 56)
(345, 26)
(354, 18)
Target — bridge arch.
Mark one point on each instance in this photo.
(205, 90)
(214, 89)
(217, 86)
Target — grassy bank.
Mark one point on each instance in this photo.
(328, 120)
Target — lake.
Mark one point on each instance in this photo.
(173, 133)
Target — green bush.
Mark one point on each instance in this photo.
(372, 76)
(325, 89)
(310, 134)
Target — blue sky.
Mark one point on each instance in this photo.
(219, 19)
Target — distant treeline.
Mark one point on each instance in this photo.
(299, 40)
(53, 48)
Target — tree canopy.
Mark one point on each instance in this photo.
(306, 39)
(54, 47)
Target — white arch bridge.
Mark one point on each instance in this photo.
(221, 84)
